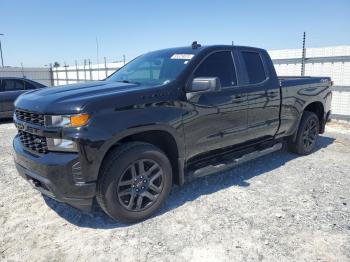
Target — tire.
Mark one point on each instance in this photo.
(131, 172)
(307, 134)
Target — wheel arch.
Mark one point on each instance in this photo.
(316, 107)
(163, 137)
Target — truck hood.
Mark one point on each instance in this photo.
(73, 98)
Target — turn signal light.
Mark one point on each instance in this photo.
(79, 120)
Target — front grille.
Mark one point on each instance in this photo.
(29, 117)
(33, 142)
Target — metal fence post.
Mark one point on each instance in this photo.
(85, 69)
(58, 82)
(22, 70)
(65, 67)
(303, 57)
(90, 69)
(51, 75)
(106, 70)
(77, 71)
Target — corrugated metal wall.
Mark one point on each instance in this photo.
(73, 74)
(327, 61)
(41, 75)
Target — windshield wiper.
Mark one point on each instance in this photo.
(128, 82)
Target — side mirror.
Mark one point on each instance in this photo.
(204, 84)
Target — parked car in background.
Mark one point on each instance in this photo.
(10, 89)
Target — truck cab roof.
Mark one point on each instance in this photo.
(190, 49)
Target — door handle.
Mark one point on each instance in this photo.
(238, 96)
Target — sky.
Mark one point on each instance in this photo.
(37, 33)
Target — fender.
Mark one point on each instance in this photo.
(176, 134)
(301, 115)
(173, 132)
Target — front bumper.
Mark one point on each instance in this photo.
(52, 175)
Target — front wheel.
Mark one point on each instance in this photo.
(134, 182)
(307, 134)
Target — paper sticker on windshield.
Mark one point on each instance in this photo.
(182, 56)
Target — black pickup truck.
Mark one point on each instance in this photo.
(165, 117)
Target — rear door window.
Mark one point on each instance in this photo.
(254, 66)
(219, 64)
(12, 85)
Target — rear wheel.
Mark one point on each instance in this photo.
(134, 182)
(307, 134)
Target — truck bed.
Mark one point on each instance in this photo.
(302, 80)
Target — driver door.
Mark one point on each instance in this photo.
(217, 119)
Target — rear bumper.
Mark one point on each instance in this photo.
(52, 175)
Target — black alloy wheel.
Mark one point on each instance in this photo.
(306, 137)
(140, 185)
(134, 182)
(310, 134)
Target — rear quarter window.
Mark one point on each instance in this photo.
(254, 66)
(29, 86)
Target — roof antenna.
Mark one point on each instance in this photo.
(195, 45)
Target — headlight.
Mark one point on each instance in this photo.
(68, 120)
(58, 144)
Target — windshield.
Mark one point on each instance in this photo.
(156, 68)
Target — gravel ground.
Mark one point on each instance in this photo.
(278, 208)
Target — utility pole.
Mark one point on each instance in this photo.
(303, 57)
(2, 59)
